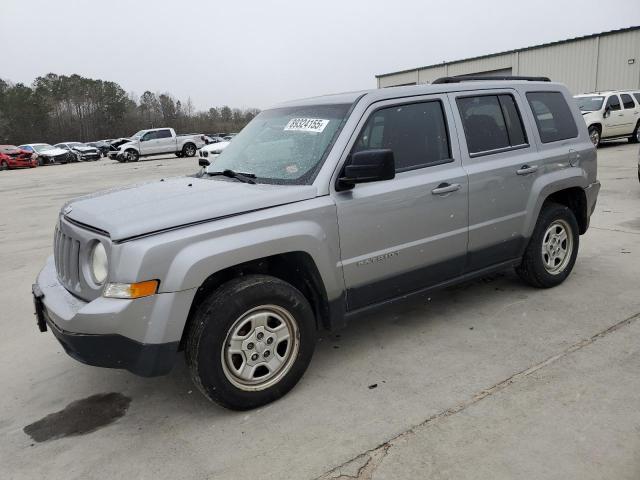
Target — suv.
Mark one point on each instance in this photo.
(611, 115)
(319, 211)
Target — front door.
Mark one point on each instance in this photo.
(402, 235)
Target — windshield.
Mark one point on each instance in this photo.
(41, 147)
(7, 148)
(589, 104)
(284, 145)
(75, 144)
(138, 134)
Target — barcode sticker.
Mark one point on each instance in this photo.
(315, 125)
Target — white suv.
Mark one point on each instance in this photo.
(611, 115)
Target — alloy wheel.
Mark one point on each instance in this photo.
(557, 247)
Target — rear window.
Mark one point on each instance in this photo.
(553, 116)
(491, 122)
(627, 101)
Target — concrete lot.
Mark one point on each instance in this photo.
(491, 379)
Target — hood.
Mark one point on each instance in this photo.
(215, 147)
(127, 144)
(152, 207)
(53, 151)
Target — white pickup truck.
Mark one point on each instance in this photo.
(158, 141)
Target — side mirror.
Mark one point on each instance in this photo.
(203, 162)
(607, 112)
(368, 166)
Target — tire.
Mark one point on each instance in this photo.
(548, 268)
(595, 135)
(635, 136)
(4, 165)
(132, 155)
(189, 150)
(250, 306)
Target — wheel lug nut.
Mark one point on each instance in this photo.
(269, 340)
(260, 335)
(250, 346)
(266, 353)
(254, 357)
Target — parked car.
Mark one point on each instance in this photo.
(211, 151)
(318, 212)
(101, 145)
(213, 139)
(47, 154)
(229, 137)
(13, 157)
(611, 115)
(159, 141)
(81, 151)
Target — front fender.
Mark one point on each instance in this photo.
(184, 258)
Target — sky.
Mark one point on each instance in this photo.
(246, 53)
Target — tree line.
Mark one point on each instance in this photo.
(57, 108)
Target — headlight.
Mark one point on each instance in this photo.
(99, 263)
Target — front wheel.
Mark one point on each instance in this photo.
(4, 165)
(594, 135)
(189, 150)
(251, 341)
(553, 248)
(131, 156)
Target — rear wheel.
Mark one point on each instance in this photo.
(552, 249)
(251, 341)
(594, 135)
(189, 150)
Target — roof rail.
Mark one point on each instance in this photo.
(465, 78)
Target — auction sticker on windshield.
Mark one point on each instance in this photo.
(316, 125)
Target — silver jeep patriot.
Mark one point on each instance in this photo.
(319, 211)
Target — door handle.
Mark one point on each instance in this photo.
(526, 170)
(445, 188)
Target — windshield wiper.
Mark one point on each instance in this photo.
(242, 176)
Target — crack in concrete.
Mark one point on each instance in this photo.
(615, 230)
(374, 457)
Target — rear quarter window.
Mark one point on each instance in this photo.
(553, 116)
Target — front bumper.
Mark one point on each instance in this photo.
(141, 336)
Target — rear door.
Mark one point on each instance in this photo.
(614, 120)
(408, 233)
(630, 113)
(166, 141)
(502, 164)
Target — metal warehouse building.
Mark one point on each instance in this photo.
(602, 61)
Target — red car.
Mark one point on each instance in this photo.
(14, 157)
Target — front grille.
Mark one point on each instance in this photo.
(67, 259)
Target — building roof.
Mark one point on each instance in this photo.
(584, 37)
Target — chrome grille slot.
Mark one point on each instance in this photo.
(67, 259)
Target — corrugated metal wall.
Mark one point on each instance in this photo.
(584, 65)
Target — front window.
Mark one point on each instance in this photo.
(591, 103)
(284, 145)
